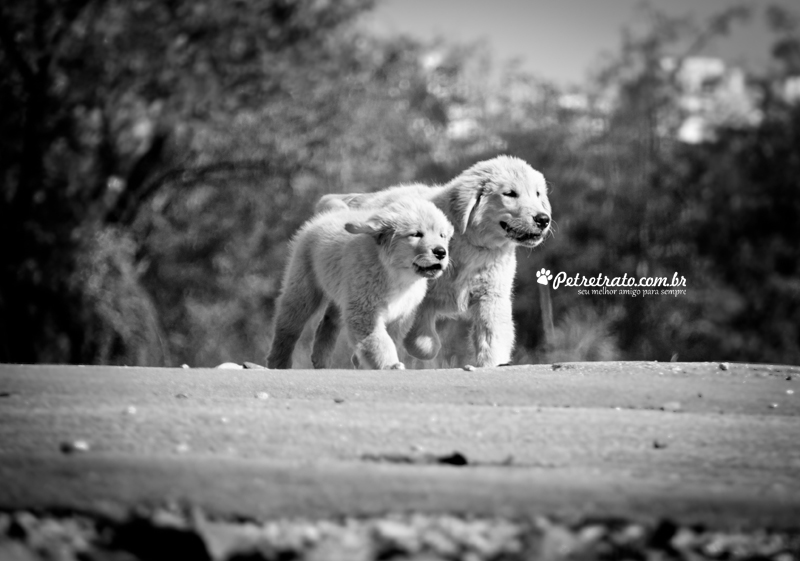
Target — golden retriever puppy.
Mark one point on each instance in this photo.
(496, 206)
(371, 269)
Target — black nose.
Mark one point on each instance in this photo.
(542, 220)
(439, 252)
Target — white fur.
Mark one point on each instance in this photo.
(490, 223)
(371, 269)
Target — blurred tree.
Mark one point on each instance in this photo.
(99, 96)
(158, 156)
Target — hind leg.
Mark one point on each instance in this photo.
(325, 337)
(300, 299)
(421, 341)
(457, 342)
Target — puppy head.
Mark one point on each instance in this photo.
(501, 201)
(413, 236)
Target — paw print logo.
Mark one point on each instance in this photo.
(543, 276)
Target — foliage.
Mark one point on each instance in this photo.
(156, 157)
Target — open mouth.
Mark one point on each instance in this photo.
(429, 271)
(521, 236)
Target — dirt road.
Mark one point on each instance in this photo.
(690, 442)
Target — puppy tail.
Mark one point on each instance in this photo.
(337, 201)
(332, 202)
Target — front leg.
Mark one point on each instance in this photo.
(492, 330)
(374, 348)
(456, 335)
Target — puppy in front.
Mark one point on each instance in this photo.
(370, 268)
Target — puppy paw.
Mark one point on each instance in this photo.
(398, 366)
(422, 347)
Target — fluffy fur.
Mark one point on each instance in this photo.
(496, 205)
(371, 269)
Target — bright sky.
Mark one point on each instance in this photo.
(561, 40)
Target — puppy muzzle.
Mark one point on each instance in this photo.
(429, 266)
(528, 235)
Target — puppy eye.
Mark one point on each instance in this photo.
(417, 235)
(512, 194)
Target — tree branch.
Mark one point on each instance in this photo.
(126, 208)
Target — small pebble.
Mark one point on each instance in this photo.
(724, 366)
(262, 395)
(469, 368)
(659, 444)
(181, 395)
(76, 446)
(397, 535)
(591, 534)
(773, 405)
(789, 378)
(184, 366)
(338, 400)
(633, 533)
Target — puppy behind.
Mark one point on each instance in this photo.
(370, 267)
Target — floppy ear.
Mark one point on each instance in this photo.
(465, 201)
(378, 227)
(368, 227)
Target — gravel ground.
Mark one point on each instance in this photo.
(168, 534)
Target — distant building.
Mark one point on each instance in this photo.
(712, 94)
(589, 114)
